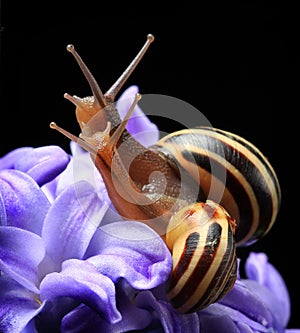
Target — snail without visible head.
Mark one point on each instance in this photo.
(219, 191)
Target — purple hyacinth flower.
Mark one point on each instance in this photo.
(30, 169)
(72, 263)
(259, 303)
(55, 260)
(42, 164)
(68, 263)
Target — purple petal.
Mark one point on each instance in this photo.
(219, 324)
(270, 300)
(8, 161)
(230, 320)
(81, 280)
(21, 252)
(43, 164)
(259, 269)
(242, 299)
(49, 320)
(170, 320)
(81, 319)
(84, 319)
(111, 216)
(71, 222)
(50, 189)
(81, 167)
(17, 306)
(133, 251)
(3, 216)
(222, 324)
(25, 203)
(30, 328)
(139, 125)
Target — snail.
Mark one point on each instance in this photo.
(172, 186)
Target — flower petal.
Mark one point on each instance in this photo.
(81, 280)
(43, 164)
(81, 167)
(259, 269)
(8, 161)
(170, 320)
(223, 319)
(50, 189)
(21, 252)
(133, 251)
(17, 306)
(25, 203)
(270, 300)
(30, 328)
(49, 319)
(222, 324)
(139, 125)
(71, 222)
(84, 319)
(242, 299)
(3, 216)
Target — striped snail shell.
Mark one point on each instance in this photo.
(201, 238)
(201, 230)
(251, 191)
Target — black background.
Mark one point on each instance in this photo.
(236, 64)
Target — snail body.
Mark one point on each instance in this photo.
(202, 215)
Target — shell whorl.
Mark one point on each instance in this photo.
(201, 237)
(231, 171)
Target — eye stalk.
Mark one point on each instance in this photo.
(87, 107)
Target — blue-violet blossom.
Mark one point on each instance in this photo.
(68, 263)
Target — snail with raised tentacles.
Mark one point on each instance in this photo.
(202, 231)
